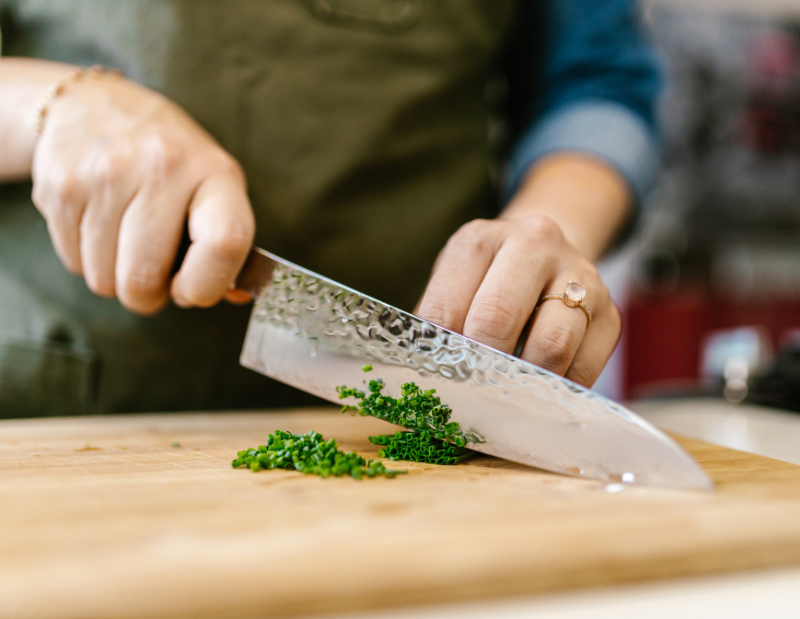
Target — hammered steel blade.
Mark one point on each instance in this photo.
(315, 334)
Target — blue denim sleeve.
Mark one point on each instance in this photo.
(597, 91)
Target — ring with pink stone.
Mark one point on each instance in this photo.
(573, 296)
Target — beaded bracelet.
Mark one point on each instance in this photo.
(57, 87)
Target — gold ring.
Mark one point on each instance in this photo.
(573, 296)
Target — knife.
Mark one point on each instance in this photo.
(315, 334)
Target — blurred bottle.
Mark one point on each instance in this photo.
(733, 358)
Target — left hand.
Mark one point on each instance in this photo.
(489, 278)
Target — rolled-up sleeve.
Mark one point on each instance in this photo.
(596, 93)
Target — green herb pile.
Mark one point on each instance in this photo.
(309, 454)
(432, 438)
(419, 447)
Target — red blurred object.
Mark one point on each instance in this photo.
(664, 334)
(768, 129)
(769, 122)
(775, 57)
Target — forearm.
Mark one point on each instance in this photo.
(586, 197)
(23, 83)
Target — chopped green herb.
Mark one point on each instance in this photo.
(419, 447)
(367, 368)
(432, 437)
(176, 444)
(310, 454)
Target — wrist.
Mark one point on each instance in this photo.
(58, 88)
(584, 196)
(25, 82)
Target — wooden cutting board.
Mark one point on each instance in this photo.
(101, 517)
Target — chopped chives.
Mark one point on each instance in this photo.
(432, 437)
(310, 454)
(419, 447)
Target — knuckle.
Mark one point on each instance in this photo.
(600, 294)
(65, 250)
(142, 284)
(71, 263)
(67, 189)
(494, 317)
(202, 298)
(227, 165)
(163, 155)
(473, 239)
(473, 233)
(232, 241)
(37, 195)
(581, 375)
(72, 266)
(553, 347)
(109, 167)
(476, 227)
(149, 308)
(101, 287)
(206, 301)
(540, 229)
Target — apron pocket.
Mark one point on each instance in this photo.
(44, 377)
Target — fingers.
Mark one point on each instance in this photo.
(509, 292)
(488, 278)
(560, 339)
(119, 225)
(555, 336)
(222, 228)
(595, 349)
(238, 297)
(458, 274)
(112, 192)
(149, 235)
(117, 187)
(61, 198)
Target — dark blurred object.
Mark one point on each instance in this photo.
(656, 271)
(781, 386)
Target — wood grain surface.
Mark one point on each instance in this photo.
(102, 517)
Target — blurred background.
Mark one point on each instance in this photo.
(710, 285)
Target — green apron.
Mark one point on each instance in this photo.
(362, 126)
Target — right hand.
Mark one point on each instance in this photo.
(116, 172)
(488, 281)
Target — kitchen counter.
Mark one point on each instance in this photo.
(102, 517)
(755, 429)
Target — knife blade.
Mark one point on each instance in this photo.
(315, 334)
